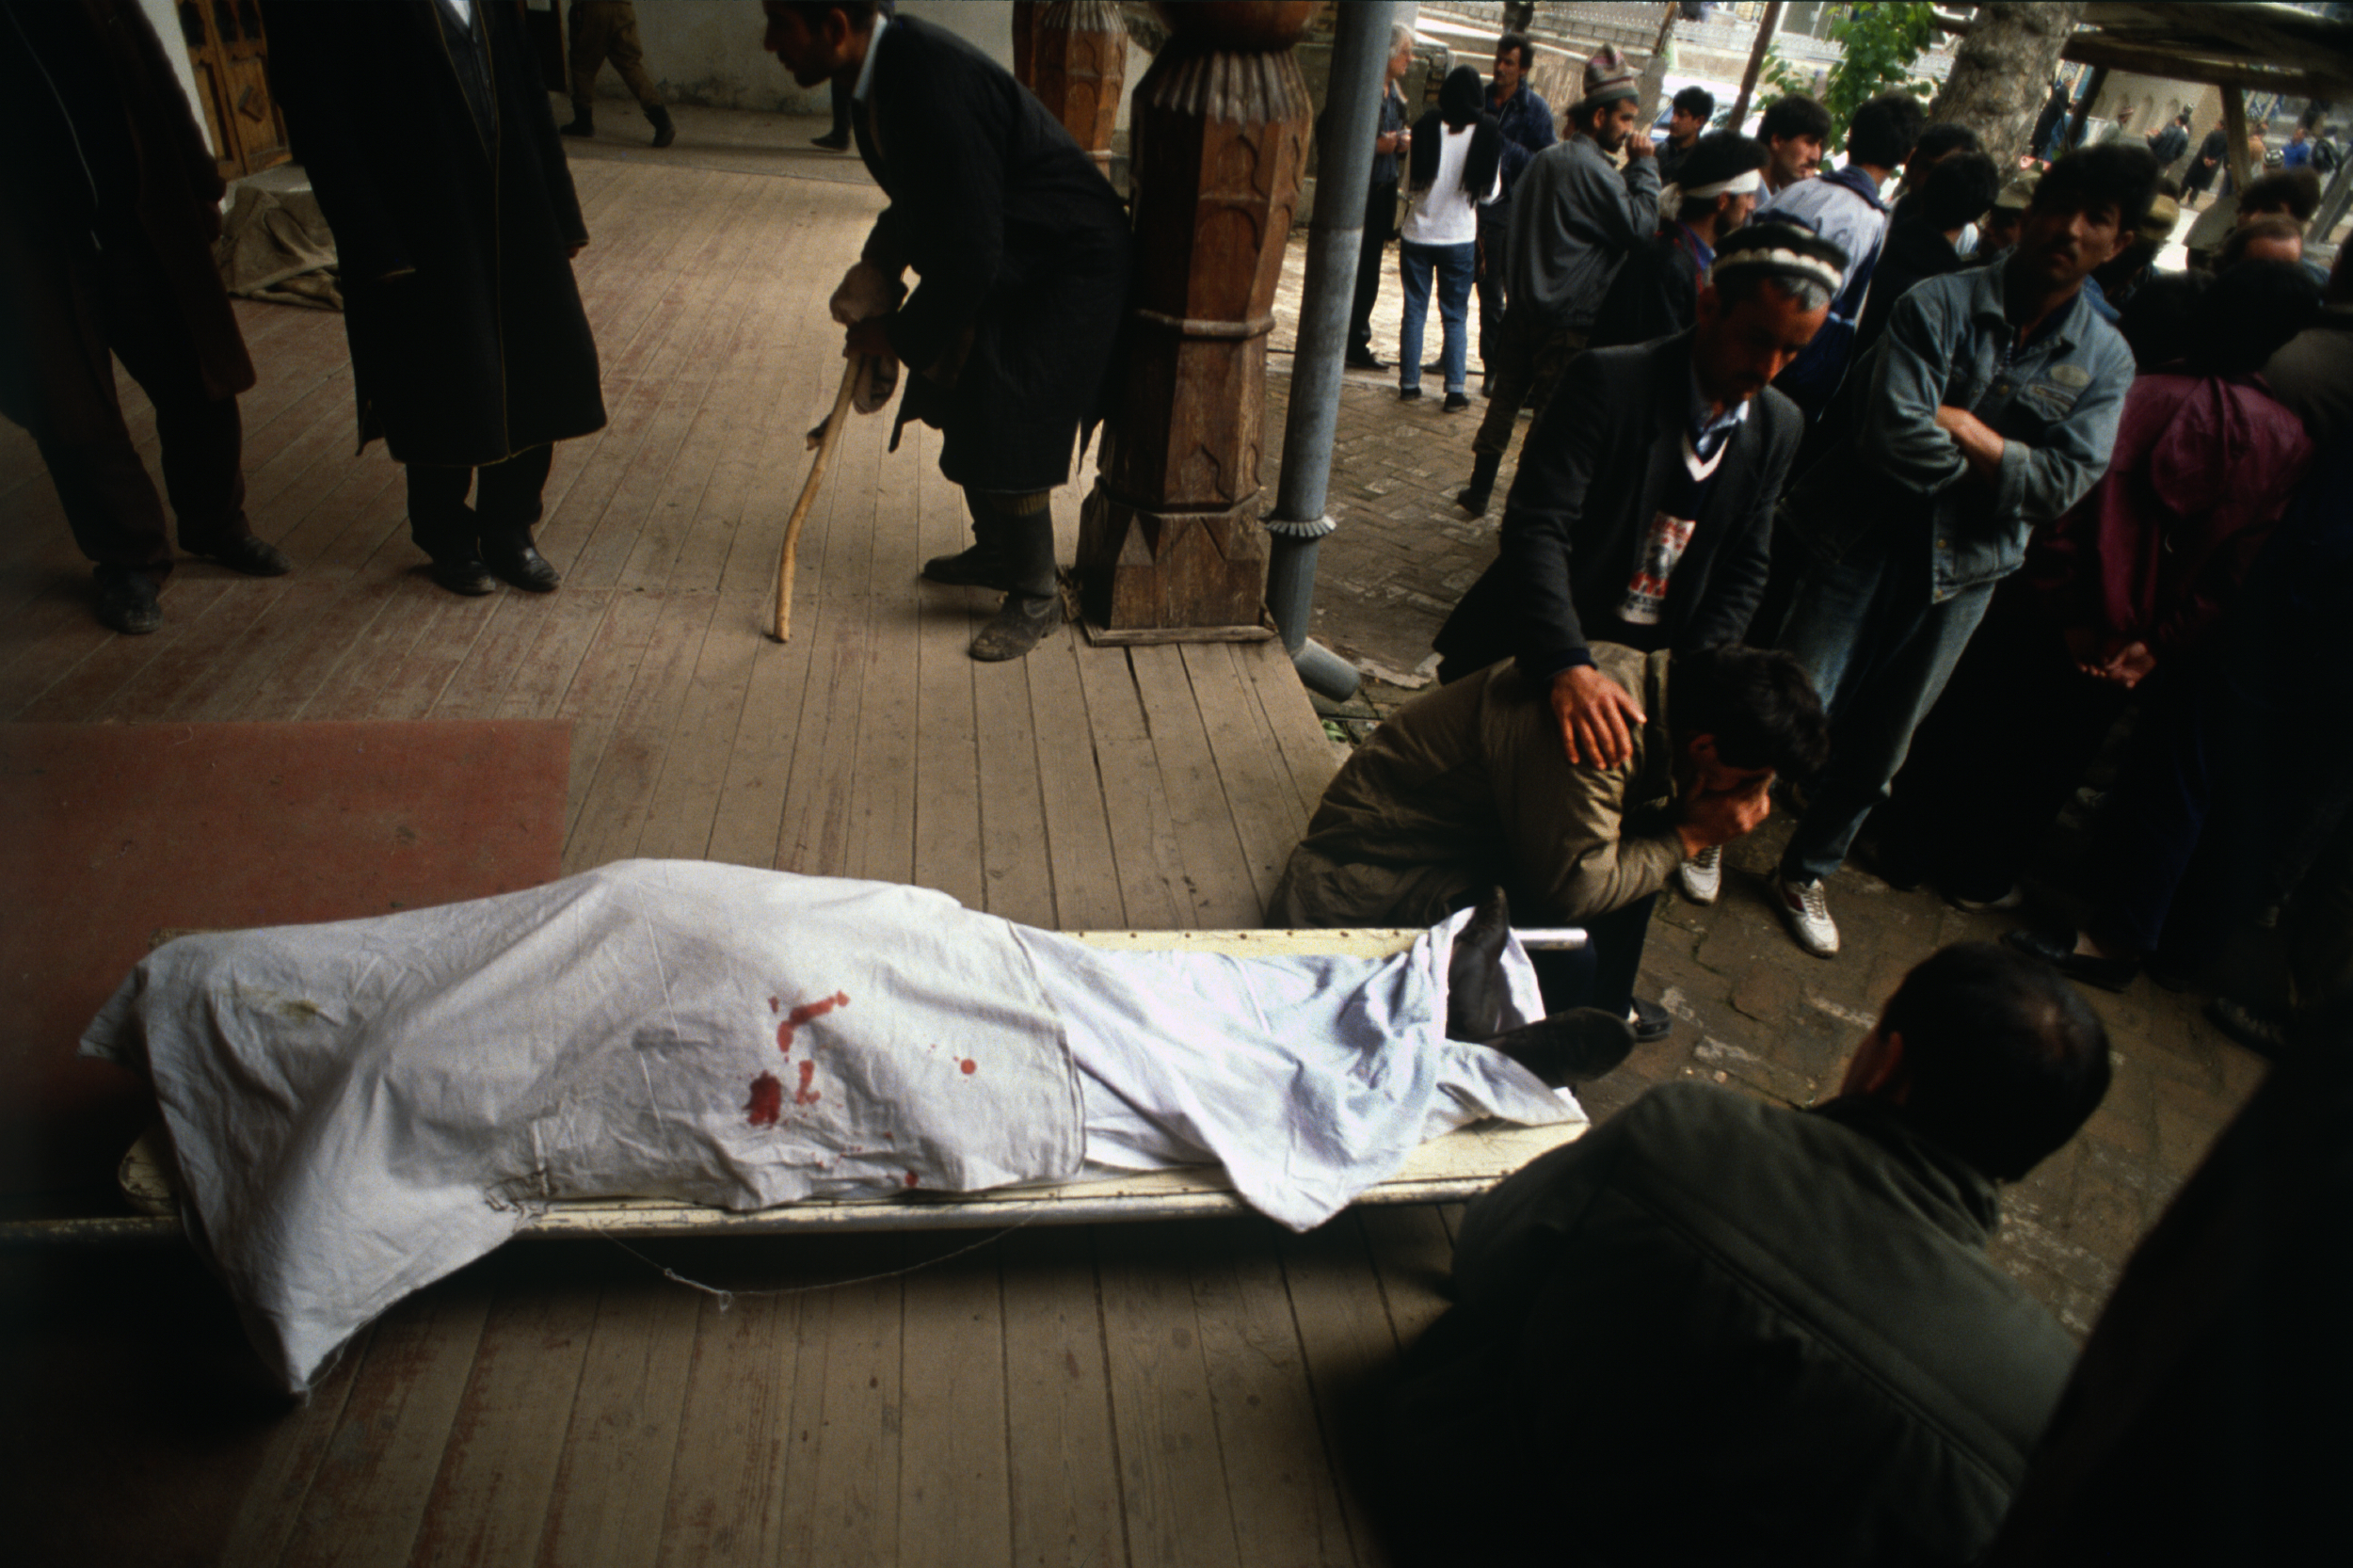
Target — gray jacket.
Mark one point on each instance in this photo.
(1573, 218)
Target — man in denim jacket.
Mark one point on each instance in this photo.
(1989, 407)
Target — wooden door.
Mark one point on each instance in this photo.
(228, 48)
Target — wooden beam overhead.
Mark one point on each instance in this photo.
(2175, 65)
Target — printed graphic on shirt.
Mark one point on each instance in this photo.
(1663, 543)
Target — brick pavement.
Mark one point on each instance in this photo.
(1754, 1010)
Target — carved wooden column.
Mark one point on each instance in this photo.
(1218, 130)
(1079, 59)
(1025, 41)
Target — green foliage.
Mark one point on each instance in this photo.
(1881, 42)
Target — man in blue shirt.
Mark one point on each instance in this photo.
(1991, 405)
(1526, 120)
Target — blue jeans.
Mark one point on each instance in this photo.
(1879, 653)
(1453, 264)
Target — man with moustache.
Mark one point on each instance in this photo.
(1992, 404)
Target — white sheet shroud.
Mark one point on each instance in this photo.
(361, 1108)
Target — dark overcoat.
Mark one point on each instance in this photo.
(1592, 475)
(454, 219)
(1020, 249)
(57, 377)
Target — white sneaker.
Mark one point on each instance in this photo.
(1808, 914)
(1703, 875)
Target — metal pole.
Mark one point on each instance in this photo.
(1360, 52)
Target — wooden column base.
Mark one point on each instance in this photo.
(1172, 576)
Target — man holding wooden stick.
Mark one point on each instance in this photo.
(1020, 253)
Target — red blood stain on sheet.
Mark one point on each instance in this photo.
(775, 1002)
(767, 1101)
(805, 1094)
(803, 1014)
(911, 1179)
(969, 1066)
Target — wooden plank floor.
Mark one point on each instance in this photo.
(1176, 1394)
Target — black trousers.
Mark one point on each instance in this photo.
(1601, 973)
(2000, 753)
(505, 502)
(1372, 254)
(110, 500)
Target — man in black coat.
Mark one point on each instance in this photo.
(1020, 253)
(1643, 511)
(109, 206)
(425, 130)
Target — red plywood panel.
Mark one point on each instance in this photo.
(115, 832)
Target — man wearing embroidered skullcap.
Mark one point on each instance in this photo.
(1990, 407)
(1655, 293)
(1573, 217)
(1642, 513)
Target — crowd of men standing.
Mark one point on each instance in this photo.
(1886, 487)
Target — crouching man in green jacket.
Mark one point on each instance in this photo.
(1467, 788)
(1715, 1330)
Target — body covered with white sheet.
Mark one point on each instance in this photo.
(358, 1109)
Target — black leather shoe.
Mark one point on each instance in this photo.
(1650, 1022)
(462, 574)
(520, 566)
(2109, 975)
(254, 557)
(1407, 395)
(1568, 1048)
(1363, 359)
(127, 602)
(979, 566)
(832, 141)
(1456, 402)
(1019, 625)
(1475, 992)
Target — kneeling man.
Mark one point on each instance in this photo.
(1715, 1330)
(1467, 788)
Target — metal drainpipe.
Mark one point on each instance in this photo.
(1360, 51)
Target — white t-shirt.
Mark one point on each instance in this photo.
(1442, 214)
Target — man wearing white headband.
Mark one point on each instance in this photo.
(1655, 293)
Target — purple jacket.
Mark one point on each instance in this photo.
(2203, 466)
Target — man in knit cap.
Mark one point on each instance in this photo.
(1573, 218)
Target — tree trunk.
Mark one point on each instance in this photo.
(2002, 72)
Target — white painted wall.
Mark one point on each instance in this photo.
(167, 24)
(708, 50)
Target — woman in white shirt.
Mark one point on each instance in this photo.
(1455, 162)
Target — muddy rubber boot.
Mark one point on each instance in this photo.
(1475, 992)
(1482, 484)
(1576, 1046)
(584, 122)
(664, 132)
(1033, 605)
(983, 565)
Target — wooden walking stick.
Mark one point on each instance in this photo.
(823, 439)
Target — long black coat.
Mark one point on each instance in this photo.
(1592, 475)
(1020, 249)
(482, 350)
(57, 376)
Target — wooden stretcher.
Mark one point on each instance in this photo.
(1451, 1169)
